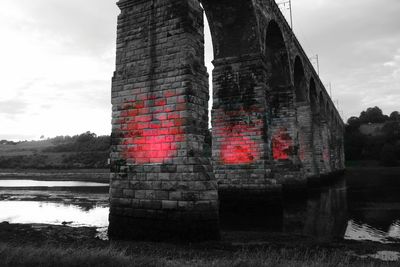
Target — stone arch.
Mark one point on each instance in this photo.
(304, 118)
(232, 25)
(327, 110)
(316, 131)
(313, 96)
(277, 58)
(160, 96)
(280, 95)
(322, 109)
(238, 112)
(325, 132)
(299, 78)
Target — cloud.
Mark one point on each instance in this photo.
(358, 46)
(13, 107)
(80, 26)
(59, 57)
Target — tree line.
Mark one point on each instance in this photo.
(383, 147)
(86, 150)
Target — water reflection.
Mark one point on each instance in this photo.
(386, 255)
(33, 183)
(308, 210)
(354, 211)
(322, 214)
(27, 212)
(332, 211)
(362, 232)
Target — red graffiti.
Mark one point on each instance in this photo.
(237, 148)
(151, 130)
(236, 143)
(281, 145)
(302, 148)
(326, 155)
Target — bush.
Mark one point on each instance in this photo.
(388, 156)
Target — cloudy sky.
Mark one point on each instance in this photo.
(57, 59)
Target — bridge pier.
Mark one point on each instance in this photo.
(162, 183)
(306, 152)
(239, 124)
(326, 151)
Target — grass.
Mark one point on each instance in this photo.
(124, 256)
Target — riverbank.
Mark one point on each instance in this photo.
(359, 174)
(319, 212)
(45, 245)
(86, 175)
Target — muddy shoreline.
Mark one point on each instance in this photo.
(361, 184)
(86, 175)
(64, 236)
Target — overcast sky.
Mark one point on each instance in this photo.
(57, 59)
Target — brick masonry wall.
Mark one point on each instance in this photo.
(162, 185)
(324, 132)
(284, 137)
(317, 144)
(326, 152)
(305, 124)
(239, 125)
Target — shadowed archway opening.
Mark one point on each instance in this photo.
(316, 133)
(277, 59)
(300, 81)
(322, 110)
(304, 118)
(238, 112)
(313, 96)
(232, 26)
(281, 94)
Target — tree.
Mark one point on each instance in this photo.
(354, 143)
(391, 130)
(395, 116)
(373, 115)
(353, 124)
(388, 155)
(86, 137)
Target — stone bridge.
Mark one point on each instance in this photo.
(273, 122)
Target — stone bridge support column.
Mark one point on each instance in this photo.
(342, 159)
(337, 142)
(162, 184)
(239, 123)
(284, 137)
(317, 143)
(240, 143)
(331, 145)
(306, 143)
(326, 151)
(340, 147)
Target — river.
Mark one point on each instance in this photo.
(356, 207)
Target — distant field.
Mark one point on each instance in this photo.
(28, 150)
(24, 148)
(82, 151)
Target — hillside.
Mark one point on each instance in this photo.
(374, 136)
(63, 152)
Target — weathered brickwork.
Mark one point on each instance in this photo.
(273, 122)
(239, 124)
(162, 185)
